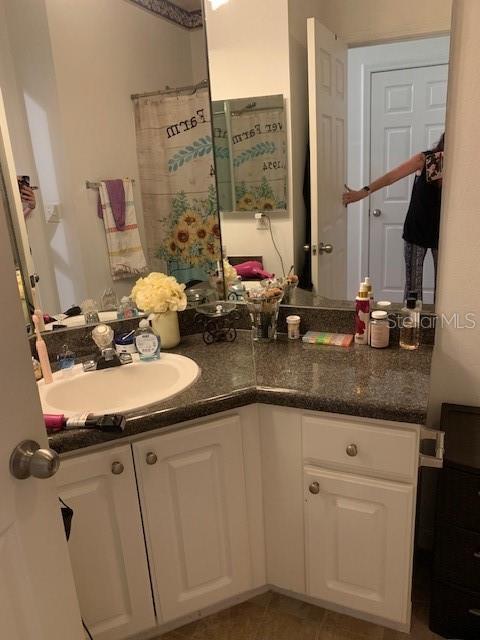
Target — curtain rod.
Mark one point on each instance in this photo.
(168, 90)
(96, 185)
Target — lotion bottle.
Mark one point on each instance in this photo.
(362, 315)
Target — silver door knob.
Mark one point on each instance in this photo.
(306, 248)
(28, 459)
(117, 468)
(351, 450)
(325, 248)
(314, 488)
(151, 457)
(377, 213)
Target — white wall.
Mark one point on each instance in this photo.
(99, 53)
(248, 56)
(39, 232)
(456, 359)
(360, 61)
(366, 21)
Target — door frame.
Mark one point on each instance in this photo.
(367, 70)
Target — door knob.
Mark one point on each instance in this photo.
(151, 457)
(314, 488)
(28, 459)
(377, 213)
(325, 248)
(306, 248)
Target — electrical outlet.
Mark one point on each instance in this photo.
(262, 222)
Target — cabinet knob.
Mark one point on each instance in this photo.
(351, 450)
(151, 457)
(117, 468)
(314, 488)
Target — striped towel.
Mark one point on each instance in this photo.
(125, 251)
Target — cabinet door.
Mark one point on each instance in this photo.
(107, 546)
(192, 486)
(359, 534)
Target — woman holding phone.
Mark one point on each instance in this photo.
(422, 223)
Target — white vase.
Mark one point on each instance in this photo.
(165, 325)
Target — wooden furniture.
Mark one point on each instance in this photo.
(455, 605)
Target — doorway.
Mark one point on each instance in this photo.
(397, 103)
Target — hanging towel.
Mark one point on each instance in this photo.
(125, 251)
(116, 197)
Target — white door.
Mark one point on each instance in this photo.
(327, 100)
(407, 116)
(106, 545)
(192, 487)
(37, 593)
(359, 542)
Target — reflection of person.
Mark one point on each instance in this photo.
(27, 195)
(422, 223)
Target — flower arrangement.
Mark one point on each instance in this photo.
(159, 293)
(192, 231)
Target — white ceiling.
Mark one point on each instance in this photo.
(189, 5)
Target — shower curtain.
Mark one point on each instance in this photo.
(259, 159)
(174, 149)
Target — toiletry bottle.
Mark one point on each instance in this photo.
(410, 326)
(126, 309)
(370, 291)
(147, 343)
(362, 315)
(42, 353)
(379, 330)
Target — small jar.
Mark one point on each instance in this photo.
(293, 327)
(379, 330)
(124, 343)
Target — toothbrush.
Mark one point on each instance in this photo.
(42, 352)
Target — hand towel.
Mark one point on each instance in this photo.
(116, 196)
(125, 252)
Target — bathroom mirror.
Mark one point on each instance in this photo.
(250, 147)
(364, 89)
(112, 92)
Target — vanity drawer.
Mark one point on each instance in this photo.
(455, 613)
(459, 498)
(457, 556)
(361, 447)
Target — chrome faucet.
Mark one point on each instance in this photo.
(103, 337)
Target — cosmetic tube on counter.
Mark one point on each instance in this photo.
(113, 422)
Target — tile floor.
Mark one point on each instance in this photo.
(272, 616)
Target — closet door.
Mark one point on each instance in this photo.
(192, 487)
(359, 542)
(107, 546)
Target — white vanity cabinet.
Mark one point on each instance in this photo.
(193, 494)
(107, 547)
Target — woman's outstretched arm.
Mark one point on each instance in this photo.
(415, 163)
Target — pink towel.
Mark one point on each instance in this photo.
(116, 195)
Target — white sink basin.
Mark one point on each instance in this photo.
(120, 389)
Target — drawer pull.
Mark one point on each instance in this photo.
(474, 612)
(117, 468)
(477, 555)
(151, 457)
(351, 450)
(314, 488)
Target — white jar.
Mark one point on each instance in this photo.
(379, 330)
(293, 327)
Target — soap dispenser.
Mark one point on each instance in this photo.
(147, 343)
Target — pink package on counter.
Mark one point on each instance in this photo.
(252, 269)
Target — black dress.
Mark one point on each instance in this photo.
(422, 224)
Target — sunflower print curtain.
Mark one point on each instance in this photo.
(174, 149)
(259, 159)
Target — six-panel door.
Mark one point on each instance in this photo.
(192, 489)
(358, 542)
(107, 547)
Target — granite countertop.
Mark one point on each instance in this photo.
(390, 384)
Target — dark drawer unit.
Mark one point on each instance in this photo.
(455, 604)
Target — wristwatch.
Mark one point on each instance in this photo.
(366, 188)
